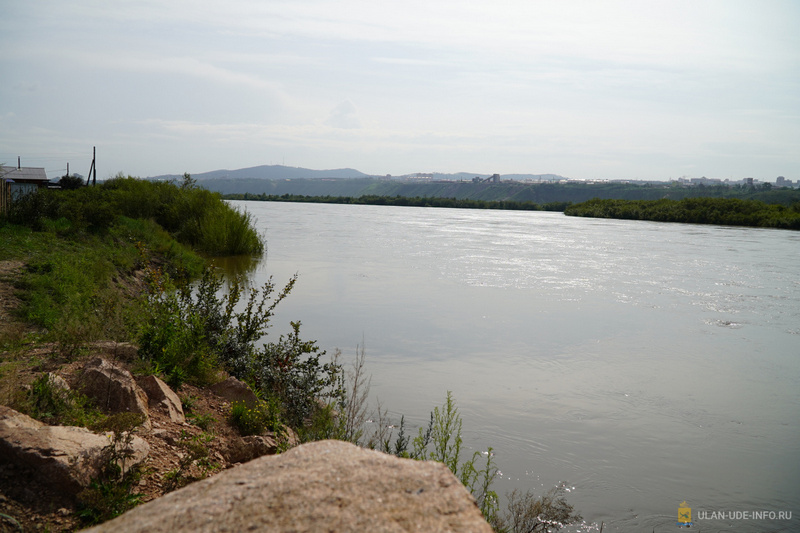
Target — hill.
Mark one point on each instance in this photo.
(268, 172)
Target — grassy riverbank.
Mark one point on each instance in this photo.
(719, 211)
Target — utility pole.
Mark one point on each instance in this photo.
(92, 168)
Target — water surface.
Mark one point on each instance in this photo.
(643, 363)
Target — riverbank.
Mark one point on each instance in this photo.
(77, 282)
(92, 292)
(718, 211)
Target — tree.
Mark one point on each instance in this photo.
(188, 181)
(74, 181)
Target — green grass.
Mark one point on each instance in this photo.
(73, 286)
(193, 216)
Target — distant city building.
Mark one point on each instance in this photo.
(705, 181)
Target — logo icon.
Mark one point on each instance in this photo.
(684, 515)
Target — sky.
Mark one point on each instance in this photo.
(584, 89)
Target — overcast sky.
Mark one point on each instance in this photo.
(633, 89)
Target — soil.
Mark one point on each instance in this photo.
(28, 504)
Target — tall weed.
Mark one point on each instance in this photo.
(441, 441)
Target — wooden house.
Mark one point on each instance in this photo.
(19, 181)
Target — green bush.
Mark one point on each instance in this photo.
(189, 333)
(173, 336)
(256, 419)
(291, 371)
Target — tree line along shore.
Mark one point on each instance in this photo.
(782, 213)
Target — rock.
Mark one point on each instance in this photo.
(65, 456)
(118, 350)
(57, 382)
(292, 438)
(161, 398)
(248, 448)
(321, 486)
(234, 390)
(113, 388)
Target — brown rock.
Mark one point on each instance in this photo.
(117, 350)
(246, 449)
(113, 388)
(321, 486)
(234, 390)
(68, 457)
(161, 398)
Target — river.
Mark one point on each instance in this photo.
(644, 364)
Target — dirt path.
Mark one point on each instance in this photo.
(9, 271)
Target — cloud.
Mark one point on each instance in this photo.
(344, 116)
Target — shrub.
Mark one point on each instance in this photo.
(195, 454)
(112, 492)
(189, 332)
(291, 371)
(204, 421)
(255, 420)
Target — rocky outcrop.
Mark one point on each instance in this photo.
(248, 448)
(113, 388)
(234, 390)
(161, 398)
(67, 457)
(321, 486)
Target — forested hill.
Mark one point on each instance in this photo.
(540, 193)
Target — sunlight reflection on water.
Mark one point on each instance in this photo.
(645, 363)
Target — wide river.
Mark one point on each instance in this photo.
(644, 364)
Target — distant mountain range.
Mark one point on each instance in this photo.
(278, 172)
(270, 172)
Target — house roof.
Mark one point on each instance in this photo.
(24, 174)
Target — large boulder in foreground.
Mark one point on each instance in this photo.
(321, 486)
(64, 456)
